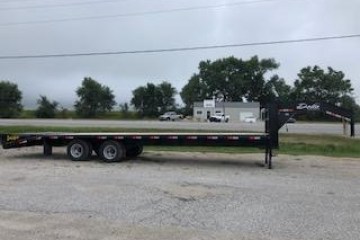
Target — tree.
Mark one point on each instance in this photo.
(195, 90)
(166, 93)
(357, 113)
(145, 100)
(277, 89)
(150, 100)
(94, 99)
(10, 100)
(231, 79)
(46, 109)
(64, 112)
(314, 84)
(124, 108)
(256, 85)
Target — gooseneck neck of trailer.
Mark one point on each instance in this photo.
(278, 114)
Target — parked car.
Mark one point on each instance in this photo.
(250, 119)
(219, 117)
(170, 116)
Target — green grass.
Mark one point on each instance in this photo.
(204, 149)
(325, 145)
(35, 129)
(71, 114)
(27, 114)
(293, 144)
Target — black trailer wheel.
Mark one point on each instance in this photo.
(78, 150)
(112, 151)
(133, 150)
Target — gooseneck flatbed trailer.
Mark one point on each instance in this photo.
(113, 147)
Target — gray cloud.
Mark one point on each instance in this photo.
(266, 21)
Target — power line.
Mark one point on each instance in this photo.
(74, 4)
(140, 13)
(182, 49)
(11, 1)
(27, 1)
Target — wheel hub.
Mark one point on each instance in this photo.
(76, 150)
(110, 152)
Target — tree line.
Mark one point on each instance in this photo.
(226, 79)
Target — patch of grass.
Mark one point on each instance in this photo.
(325, 145)
(322, 145)
(116, 115)
(323, 150)
(318, 139)
(204, 149)
(71, 114)
(27, 114)
(38, 129)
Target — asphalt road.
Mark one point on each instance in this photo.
(307, 128)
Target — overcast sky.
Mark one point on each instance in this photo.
(251, 21)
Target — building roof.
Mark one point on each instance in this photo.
(231, 104)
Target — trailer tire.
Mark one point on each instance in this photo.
(112, 151)
(133, 150)
(78, 150)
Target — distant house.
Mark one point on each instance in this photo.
(237, 111)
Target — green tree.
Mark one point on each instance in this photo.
(94, 99)
(277, 89)
(124, 108)
(256, 85)
(350, 103)
(315, 84)
(64, 112)
(195, 90)
(145, 100)
(151, 100)
(231, 79)
(10, 100)
(46, 108)
(357, 113)
(166, 93)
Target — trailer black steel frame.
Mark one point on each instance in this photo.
(117, 146)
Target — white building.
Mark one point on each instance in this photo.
(237, 111)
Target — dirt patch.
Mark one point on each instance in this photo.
(192, 191)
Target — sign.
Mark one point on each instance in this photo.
(209, 103)
(309, 107)
(12, 138)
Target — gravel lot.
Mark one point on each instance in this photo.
(178, 196)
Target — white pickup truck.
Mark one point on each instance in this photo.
(170, 116)
(219, 117)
